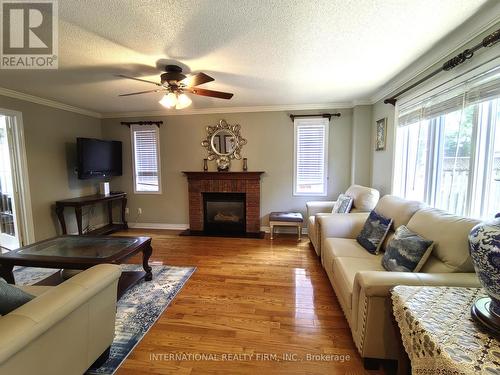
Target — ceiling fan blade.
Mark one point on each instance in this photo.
(211, 93)
(197, 79)
(138, 79)
(141, 92)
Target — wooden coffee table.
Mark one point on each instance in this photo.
(79, 253)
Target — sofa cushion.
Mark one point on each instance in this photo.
(346, 247)
(11, 297)
(344, 271)
(342, 205)
(407, 252)
(374, 232)
(364, 198)
(450, 235)
(398, 209)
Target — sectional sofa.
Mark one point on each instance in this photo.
(363, 286)
(65, 328)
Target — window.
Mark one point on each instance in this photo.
(311, 156)
(146, 163)
(448, 149)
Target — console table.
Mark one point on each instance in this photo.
(439, 334)
(79, 202)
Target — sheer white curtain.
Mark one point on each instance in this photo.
(447, 148)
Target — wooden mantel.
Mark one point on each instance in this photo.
(223, 175)
(224, 182)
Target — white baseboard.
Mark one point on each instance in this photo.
(158, 226)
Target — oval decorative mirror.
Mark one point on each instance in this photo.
(223, 143)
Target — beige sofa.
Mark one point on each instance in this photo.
(364, 199)
(64, 329)
(363, 286)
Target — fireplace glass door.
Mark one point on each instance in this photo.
(224, 213)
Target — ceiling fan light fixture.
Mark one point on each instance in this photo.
(175, 83)
(169, 100)
(183, 101)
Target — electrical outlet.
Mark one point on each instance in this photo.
(139, 211)
(127, 211)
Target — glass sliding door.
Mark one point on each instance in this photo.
(9, 229)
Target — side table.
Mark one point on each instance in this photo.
(439, 334)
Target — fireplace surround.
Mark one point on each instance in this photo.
(239, 185)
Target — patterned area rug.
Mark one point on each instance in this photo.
(137, 310)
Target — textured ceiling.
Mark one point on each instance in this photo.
(267, 52)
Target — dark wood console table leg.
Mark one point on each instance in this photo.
(60, 216)
(110, 212)
(146, 254)
(124, 206)
(78, 213)
(7, 274)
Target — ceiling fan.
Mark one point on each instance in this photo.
(176, 85)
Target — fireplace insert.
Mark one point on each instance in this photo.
(224, 213)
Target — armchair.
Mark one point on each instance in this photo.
(364, 200)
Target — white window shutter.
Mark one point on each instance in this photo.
(145, 141)
(311, 156)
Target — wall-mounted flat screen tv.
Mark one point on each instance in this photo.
(98, 158)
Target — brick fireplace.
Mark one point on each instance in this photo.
(243, 184)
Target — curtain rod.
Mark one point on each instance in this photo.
(128, 123)
(324, 115)
(467, 54)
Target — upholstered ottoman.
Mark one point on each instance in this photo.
(286, 219)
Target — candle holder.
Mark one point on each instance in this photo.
(245, 164)
(205, 165)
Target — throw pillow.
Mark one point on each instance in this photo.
(11, 297)
(374, 231)
(342, 205)
(407, 251)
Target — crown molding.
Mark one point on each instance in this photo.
(431, 58)
(190, 111)
(47, 102)
(203, 111)
(361, 102)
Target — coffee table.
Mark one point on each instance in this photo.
(79, 253)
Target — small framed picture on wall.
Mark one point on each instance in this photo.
(381, 134)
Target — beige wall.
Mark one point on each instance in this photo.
(269, 149)
(50, 137)
(361, 145)
(382, 161)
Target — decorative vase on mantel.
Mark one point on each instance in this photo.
(223, 163)
(484, 246)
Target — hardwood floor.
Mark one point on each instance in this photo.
(250, 302)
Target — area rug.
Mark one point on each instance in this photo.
(137, 310)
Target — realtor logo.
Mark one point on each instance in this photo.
(28, 34)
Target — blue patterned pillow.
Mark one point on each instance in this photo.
(407, 251)
(11, 297)
(342, 205)
(374, 232)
